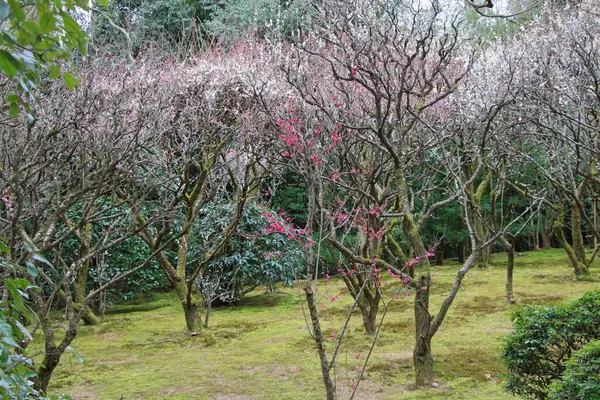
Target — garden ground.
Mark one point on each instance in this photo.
(261, 349)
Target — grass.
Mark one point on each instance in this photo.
(260, 349)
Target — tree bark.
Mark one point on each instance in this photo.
(319, 340)
(546, 239)
(190, 304)
(578, 242)
(579, 268)
(85, 237)
(537, 230)
(207, 312)
(422, 357)
(52, 351)
(368, 308)
(510, 266)
(439, 254)
(193, 320)
(461, 251)
(368, 303)
(50, 362)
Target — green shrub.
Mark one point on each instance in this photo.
(544, 338)
(17, 370)
(234, 19)
(252, 257)
(122, 258)
(581, 379)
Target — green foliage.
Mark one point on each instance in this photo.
(291, 196)
(36, 38)
(234, 19)
(17, 371)
(447, 222)
(118, 260)
(544, 338)
(252, 259)
(123, 258)
(171, 25)
(581, 379)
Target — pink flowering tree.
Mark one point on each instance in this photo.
(209, 151)
(382, 82)
(59, 181)
(557, 73)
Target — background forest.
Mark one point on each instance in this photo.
(197, 196)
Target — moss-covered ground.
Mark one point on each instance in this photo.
(261, 349)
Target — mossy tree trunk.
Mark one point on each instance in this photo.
(546, 239)
(187, 205)
(54, 350)
(368, 304)
(79, 289)
(177, 279)
(361, 286)
(475, 194)
(422, 356)
(578, 267)
(509, 246)
(578, 242)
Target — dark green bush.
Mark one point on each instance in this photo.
(252, 259)
(544, 338)
(581, 379)
(123, 258)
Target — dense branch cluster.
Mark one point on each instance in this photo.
(396, 122)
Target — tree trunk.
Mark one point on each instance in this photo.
(51, 359)
(510, 265)
(537, 229)
(193, 320)
(461, 251)
(207, 312)
(369, 322)
(546, 239)
(484, 256)
(578, 242)
(89, 318)
(52, 351)
(368, 309)
(319, 339)
(189, 301)
(422, 357)
(579, 268)
(439, 254)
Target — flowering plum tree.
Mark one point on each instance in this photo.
(59, 181)
(381, 76)
(559, 76)
(208, 151)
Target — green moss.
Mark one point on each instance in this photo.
(260, 348)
